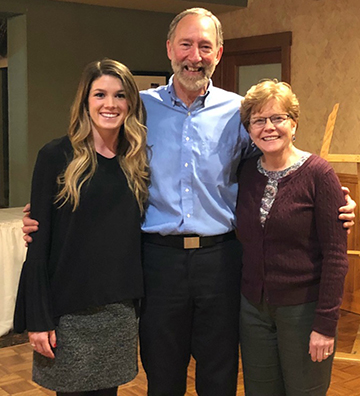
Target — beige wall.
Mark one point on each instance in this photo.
(50, 42)
(325, 63)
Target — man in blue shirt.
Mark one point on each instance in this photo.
(192, 260)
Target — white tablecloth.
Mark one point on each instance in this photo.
(12, 255)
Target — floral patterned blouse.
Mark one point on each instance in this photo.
(271, 187)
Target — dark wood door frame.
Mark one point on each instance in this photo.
(268, 48)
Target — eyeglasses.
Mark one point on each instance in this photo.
(275, 119)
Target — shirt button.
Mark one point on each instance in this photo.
(187, 190)
(188, 215)
(186, 164)
(188, 113)
(187, 138)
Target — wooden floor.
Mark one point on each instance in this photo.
(15, 368)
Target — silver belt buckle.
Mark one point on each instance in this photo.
(191, 242)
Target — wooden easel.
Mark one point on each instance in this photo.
(342, 158)
(349, 158)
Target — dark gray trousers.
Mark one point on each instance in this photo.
(191, 307)
(274, 350)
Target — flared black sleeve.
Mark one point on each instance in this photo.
(33, 311)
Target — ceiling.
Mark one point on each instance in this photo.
(169, 6)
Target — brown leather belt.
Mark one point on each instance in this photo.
(188, 241)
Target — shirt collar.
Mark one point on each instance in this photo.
(200, 100)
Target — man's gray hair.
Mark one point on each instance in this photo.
(200, 12)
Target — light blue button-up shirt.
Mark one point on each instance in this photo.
(195, 152)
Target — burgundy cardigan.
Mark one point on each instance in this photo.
(300, 254)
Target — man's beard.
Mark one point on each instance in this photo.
(196, 82)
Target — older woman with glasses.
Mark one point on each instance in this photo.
(295, 260)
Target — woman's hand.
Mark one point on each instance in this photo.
(320, 346)
(347, 212)
(43, 341)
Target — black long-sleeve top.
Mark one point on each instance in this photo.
(90, 257)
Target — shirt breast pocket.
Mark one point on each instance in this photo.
(213, 162)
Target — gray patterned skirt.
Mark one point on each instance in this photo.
(96, 349)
